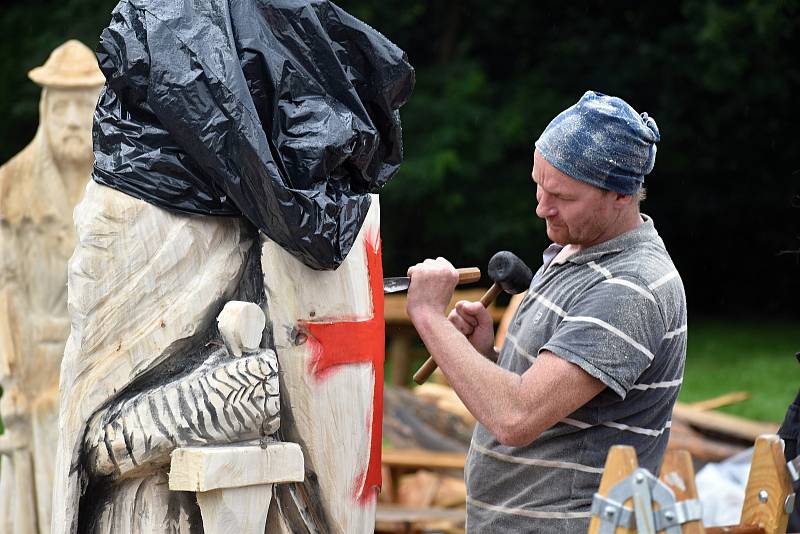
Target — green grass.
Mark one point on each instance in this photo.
(732, 356)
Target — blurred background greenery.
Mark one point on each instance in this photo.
(721, 78)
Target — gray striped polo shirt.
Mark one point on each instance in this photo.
(617, 310)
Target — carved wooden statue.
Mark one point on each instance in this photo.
(39, 188)
(147, 370)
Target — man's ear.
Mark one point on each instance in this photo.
(623, 201)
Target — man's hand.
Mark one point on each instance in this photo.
(431, 288)
(473, 320)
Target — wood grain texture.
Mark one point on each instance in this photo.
(621, 462)
(235, 510)
(232, 466)
(329, 416)
(768, 473)
(677, 472)
(143, 282)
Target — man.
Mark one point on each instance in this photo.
(594, 355)
(39, 188)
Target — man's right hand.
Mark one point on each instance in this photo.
(475, 322)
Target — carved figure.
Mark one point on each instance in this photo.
(283, 113)
(146, 370)
(39, 188)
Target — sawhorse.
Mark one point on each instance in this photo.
(631, 500)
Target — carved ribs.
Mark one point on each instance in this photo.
(218, 403)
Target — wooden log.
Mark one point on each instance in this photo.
(702, 448)
(410, 422)
(729, 425)
(445, 398)
(718, 402)
(620, 464)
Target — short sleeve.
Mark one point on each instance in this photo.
(612, 332)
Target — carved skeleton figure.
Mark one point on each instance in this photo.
(39, 188)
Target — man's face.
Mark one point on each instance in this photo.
(68, 123)
(576, 213)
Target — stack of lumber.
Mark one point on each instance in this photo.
(423, 491)
(423, 462)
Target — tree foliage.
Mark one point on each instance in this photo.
(719, 77)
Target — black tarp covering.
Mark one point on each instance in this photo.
(283, 111)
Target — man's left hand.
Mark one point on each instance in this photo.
(431, 288)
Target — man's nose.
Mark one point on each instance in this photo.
(545, 208)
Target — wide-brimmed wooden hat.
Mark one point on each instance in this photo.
(71, 65)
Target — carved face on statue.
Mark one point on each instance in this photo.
(67, 120)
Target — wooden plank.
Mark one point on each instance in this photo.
(677, 473)
(722, 423)
(718, 402)
(620, 464)
(736, 529)
(682, 437)
(423, 459)
(391, 518)
(768, 485)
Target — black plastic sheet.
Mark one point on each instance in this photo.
(282, 111)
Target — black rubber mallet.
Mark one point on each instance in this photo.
(509, 274)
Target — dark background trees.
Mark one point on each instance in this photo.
(720, 78)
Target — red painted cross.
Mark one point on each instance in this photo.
(350, 342)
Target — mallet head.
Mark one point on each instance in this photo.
(510, 272)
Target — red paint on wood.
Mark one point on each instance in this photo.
(351, 342)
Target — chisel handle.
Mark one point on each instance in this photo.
(468, 275)
(427, 369)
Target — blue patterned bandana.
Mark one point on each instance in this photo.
(602, 141)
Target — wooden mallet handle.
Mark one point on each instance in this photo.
(427, 369)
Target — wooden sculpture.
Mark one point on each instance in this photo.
(170, 353)
(146, 369)
(329, 337)
(39, 188)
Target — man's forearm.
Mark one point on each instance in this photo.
(488, 391)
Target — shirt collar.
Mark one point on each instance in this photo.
(643, 233)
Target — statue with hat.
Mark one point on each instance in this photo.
(39, 188)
